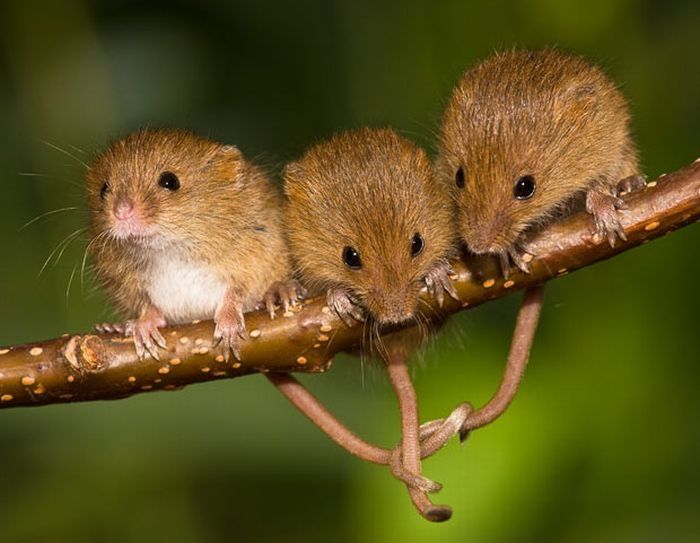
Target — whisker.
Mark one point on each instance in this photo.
(65, 246)
(77, 149)
(363, 354)
(67, 240)
(421, 326)
(57, 148)
(70, 281)
(382, 350)
(46, 215)
(85, 255)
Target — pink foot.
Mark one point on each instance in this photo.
(345, 306)
(514, 255)
(110, 327)
(603, 206)
(284, 294)
(438, 282)
(144, 330)
(230, 327)
(631, 184)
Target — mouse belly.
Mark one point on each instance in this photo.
(185, 291)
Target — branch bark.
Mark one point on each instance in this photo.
(103, 366)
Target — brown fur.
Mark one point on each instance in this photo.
(370, 189)
(226, 215)
(542, 113)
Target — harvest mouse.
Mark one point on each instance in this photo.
(184, 228)
(525, 133)
(368, 225)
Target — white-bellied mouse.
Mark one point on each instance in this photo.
(184, 228)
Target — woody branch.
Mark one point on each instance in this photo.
(81, 367)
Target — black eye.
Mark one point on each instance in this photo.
(525, 187)
(168, 180)
(352, 258)
(104, 190)
(459, 178)
(417, 245)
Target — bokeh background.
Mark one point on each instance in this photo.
(602, 443)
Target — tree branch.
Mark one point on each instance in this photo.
(93, 366)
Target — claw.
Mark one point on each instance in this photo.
(438, 281)
(230, 329)
(283, 293)
(145, 332)
(515, 256)
(631, 184)
(604, 206)
(110, 327)
(345, 306)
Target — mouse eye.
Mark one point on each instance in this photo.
(352, 258)
(104, 190)
(524, 187)
(459, 177)
(168, 180)
(417, 245)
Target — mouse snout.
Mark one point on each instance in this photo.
(486, 236)
(392, 307)
(128, 220)
(123, 208)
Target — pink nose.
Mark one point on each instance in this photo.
(123, 209)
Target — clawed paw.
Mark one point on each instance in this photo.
(110, 327)
(438, 282)
(516, 256)
(284, 294)
(604, 208)
(631, 184)
(146, 334)
(230, 330)
(345, 306)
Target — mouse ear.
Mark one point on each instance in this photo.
(586, 95)
(231, 151)
(293, 174)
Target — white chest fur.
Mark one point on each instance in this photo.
(184, 290)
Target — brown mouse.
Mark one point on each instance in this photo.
(524, 134)
(368, 224)
(183, 228)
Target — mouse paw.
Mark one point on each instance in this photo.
(230, 330)
(514, 255)
(631, 184)
(604, 206)
(284, 294)
(345, 306)
(438, 281)
(146, 334)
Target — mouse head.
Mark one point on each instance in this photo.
(519, 135)
(154, 187)
(364, 213)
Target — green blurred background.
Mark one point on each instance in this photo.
(603, 441)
